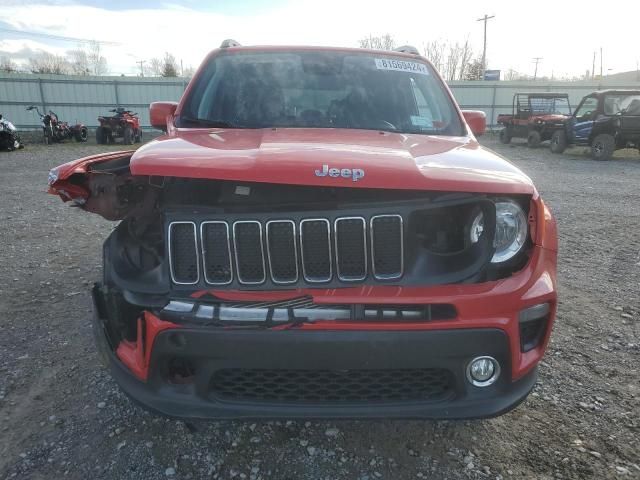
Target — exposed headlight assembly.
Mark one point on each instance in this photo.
(511, 230)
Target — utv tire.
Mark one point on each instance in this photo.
(101, 136)
(602, 147)
(128, 135)
(505, 135)
(82, 135)
(534, 139)
(558, 142)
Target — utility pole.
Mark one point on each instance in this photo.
(484, 19)
(141, 62)
(536, 60)
(600, 63)
(593, 66)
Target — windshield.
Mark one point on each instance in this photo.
(559, 105)
(320, 90)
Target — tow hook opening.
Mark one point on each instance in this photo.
(180, 371)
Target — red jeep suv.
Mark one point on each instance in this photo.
(318, 234)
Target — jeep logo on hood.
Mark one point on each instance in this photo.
(354, 174)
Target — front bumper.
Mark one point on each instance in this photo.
(210, 350)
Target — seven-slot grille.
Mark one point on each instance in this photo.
(313, 250)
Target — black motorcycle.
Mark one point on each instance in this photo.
(9, 138)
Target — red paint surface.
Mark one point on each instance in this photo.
(136, 355)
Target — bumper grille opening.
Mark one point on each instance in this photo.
(531, 333)
(300, 386)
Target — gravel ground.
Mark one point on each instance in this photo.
(61, 416)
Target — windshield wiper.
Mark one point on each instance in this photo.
(208, 123)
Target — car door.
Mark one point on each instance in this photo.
(583, 119)
(630, 119)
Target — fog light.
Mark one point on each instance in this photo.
(483, 371)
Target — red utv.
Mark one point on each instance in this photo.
(122, 124)
(534, 116)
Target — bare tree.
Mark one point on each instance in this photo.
(79, 61)
(434, 51)
(97, 63)
(380, 42)
(47, 62)
(450, 59)
(466, 53)
(7, 65)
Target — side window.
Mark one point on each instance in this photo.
(587, 108)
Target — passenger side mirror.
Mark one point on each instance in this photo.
(477, 121)
(160, 113)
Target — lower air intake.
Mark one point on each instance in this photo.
(326, 386)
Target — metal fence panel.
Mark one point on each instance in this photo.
(83, 99)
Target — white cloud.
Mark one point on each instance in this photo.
(565, 36)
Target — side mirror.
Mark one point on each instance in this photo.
(477, 121)
(160, 113)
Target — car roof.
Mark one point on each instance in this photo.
(544, 94)
(289, 48)
(614, 91)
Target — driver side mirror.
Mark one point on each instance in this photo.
(477, 121)
(160, 113)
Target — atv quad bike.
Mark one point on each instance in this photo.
(605, 121)
(9, 138)
(54, 130)
(534, 116)
(123, 124)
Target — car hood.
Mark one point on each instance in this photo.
(299, 156)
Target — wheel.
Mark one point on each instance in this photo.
(558, 142)
(603, 146)
(128, 135)
(534, 139)
(101, 136)
(81, 135)
(46, 139)
(505, 135)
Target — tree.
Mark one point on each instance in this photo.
(97, 63)
(474, 70)
(7, 65)
(169, 66)
(47, 62)
(166, 66)
(380, 42)
(79, 62)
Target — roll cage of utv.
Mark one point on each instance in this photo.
(605, 121)
(534, 116)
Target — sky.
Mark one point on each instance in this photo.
(564, 33)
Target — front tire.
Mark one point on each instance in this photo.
(534, 139)
(81, 135)
(128, 135)
(101, 136)
(505, 135)
(558, 142)
(602, 147)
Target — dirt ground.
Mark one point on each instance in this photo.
(61, 415)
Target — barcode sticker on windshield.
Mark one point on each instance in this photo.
(401, 66)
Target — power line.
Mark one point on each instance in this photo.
(484, 19)
(56, 37)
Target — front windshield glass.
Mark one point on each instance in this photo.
(320, 90)
(558, 105)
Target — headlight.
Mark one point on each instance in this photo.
(511, 230)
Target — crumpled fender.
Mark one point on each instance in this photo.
(60, 177)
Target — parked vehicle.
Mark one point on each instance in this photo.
(54, 130)
(318, 233)
(534, 116)
(122, 124)
(605, 121)
(9, 138)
